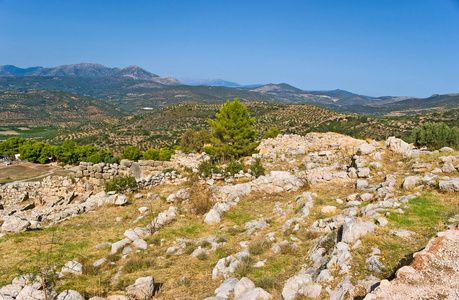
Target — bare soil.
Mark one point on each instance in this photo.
(26, 171)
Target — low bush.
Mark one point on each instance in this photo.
(257, 168)
(234, 167)
(120, 183)
(206, 169)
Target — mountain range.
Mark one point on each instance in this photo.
(133, 89)
(90, 70)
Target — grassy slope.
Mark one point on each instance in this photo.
(184, 277)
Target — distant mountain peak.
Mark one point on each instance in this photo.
(91, 70)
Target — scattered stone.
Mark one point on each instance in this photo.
(99, 262)
(294, 284)
(354, 228)
(70, 295)
(255, 294)
(143, 288)
(119, 245)
(213, 216)
(140, 244)
(242, 286)
(73, 267)
(446, 149)
(366, 149)
(328, 209)
(361, 183)
(382, 221)
(403, 233)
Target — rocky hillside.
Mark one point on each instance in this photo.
(42, 108)
(332, 218)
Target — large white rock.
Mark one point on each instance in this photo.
(140, 244)
(143, 288)
(225, 267)
(450, 185)
(353, 228)
(226, 288)
(30, 293)
(131, 235)
(243, 286)
(365, 149)
(294, 284)
(213, 216)
(70, 295)
(14, 224)
(410, 182)
(255, 294)
(120, 245)
(397, 145)
(11, 290)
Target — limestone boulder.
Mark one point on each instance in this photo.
(143, 288)
(14, 224)
(354, 228)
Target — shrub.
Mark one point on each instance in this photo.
(244, 267)
(120, 183)
(258, 247)
(272, 133)
(206, 169)
(234, 167)
(257, 168)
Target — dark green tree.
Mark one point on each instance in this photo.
(232, 131)
(435, 136)
(132, 153)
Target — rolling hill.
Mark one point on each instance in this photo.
(134, 89)
(56, 108)
(165, 126)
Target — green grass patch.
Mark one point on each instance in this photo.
(239, 217)
(423, 215)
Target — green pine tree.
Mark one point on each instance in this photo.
(232, 131)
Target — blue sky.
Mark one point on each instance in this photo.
(387, 47)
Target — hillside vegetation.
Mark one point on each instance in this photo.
(164, 127)
(44, 108)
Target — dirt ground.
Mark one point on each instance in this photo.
(26, 171)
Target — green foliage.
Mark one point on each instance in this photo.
(232, 131)
(151, 154)
(120, 183)
(272, 133)
(234, 167)
(195, 140)
(68, 152)
(132, 153)
(164, 154)
(11, 146)
(206, 169)
(257, 168)
(435, 136)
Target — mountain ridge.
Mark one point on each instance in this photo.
(90, 70)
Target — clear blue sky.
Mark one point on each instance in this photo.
(385, 47)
